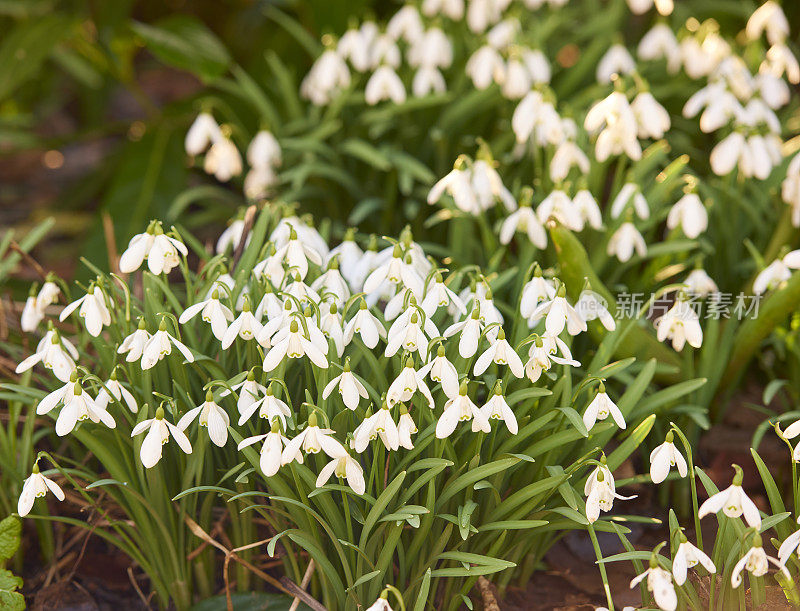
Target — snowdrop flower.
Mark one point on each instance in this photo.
(500, 352)
(788, 546)
(249, 392)
(270, 456)
(771, 277)
(537, 65)
(536, 290)
(600, 492)
(452, 9)
(541, 354)
(768, 17)
(652, 118)
(484, 67)
(36, 486)
(293, 343)
(54, 353)
(733, 501)
(660, 42)
(567, 155)
(232, 236)
(245, 326)
(600, 408)
(348, 254)
(203, 132)
(345, 467)
(780, 59)
(368, 327)
(730, 152)
(442, 371)
(488, 186)
(591, 306)
(496, 408)
(160, 345)
(158, 433)
(558, 205)
(259, 181)
(659, 582)
(662, 458)
(406, 24)
(380, 424)
(625, 241)
(384, 84)
(411, 333)
(134, 343)
(438, 295)
(457, 183)
(630, 192)
(406, 428)
(223, 160)
(524, 220)
(354, 45)
(516, 80)
(312, 440)
(161, 251)
(264, 151)
(690, 213)
(428, 80)
(384, 51)
(699, 283)
(790, 188)
(433, 50)
(350, 388)
(616, 123)
(36, 306)
(327, 77)
(79, 407)
(470, 332)
(112, 389)
(397, 270)
(460, 409)
(558, 314)
(617, 60)
(296, 254)
(689, 556)
(483, 13)
(211, 311)
(212, 416)
(93, 310)
(756, 561)
(501, 35)
(407, 384)
(681, 325)
(638, 7)
(268, 406)
(382, 604)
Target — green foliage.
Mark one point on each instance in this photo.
(10, 536)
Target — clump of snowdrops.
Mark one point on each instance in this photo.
(422, 421)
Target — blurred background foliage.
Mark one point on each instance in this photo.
(96, 96)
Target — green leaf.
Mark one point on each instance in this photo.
(10, 533)
(422, 598)
(475, 475)
(380, 504)
(627, 447)
(184, 42)
(363, 579)
(10, 599)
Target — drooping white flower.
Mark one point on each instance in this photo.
(134, 343)
(438, 295)
(452, 9)
(497, 408)
(591, 306)
(567, 155)
(328, 76)
(630, 193)
(690, 213)
(54, 353)
(788, 546)
(223, 160)
(659, 582)
(733, 502)
(212, 416)
(699, 283)
(264, 151)
(460, 409)
(558, 205)
(93, 310)
(78, 406)
(536, 290)
(345, 467)
(680, 324)
(543, 351)
(600, 492)
(112, 389)
(768, 17)
(660, 43)
(382, 604)
(294, 341)
(651, 117)
(625, 241)
(406, 428)
(601, 408)
(664, 7)
(406, 23)
(558, 314)
(662, 458)
(469, 331)
(212, 311)
(488, 186)
(771, 277)
(270, 456)
(790, 188)
(161, 251)
(615, 123)
(524, 220)
(245, 326)
(268, 406)
(367, 325)
(232, 236)
(443, 371)
(349, 387)
(384, 84)
(780, 60)
(160, 345)
(500, 352)
(730, 152)
(203, 132)
(36, 305)
(158, 433)
(485, 66)
(407, 383)
(688, 556)
(250, 392)
(36, 486)
(756, 562)
(617, 60)
(380, 424)
(312, 440)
